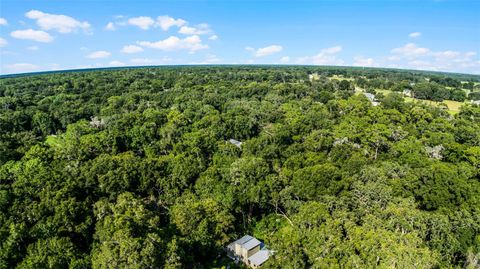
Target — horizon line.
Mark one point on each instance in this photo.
(91, 69)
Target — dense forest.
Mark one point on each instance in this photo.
(132, 168)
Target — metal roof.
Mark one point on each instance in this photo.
(370, 96)
(244, 239)
(251, 243)
(260, 257)
(235, 142)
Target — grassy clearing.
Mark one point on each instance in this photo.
(337, 77)
(453, 106)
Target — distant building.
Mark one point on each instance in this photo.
(95, 122)
(235, 142)
(248, 250)
(313, 76)
(407, 93)
(371, 98)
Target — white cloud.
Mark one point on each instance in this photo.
(99, 54)
(20, 68)
(327, 56)
(165, 22)
(285, 59)
(470, 53)
(29, 34)
(121, 23)
(448, 54)
(412, 56)
(3, 42)
(142, 22)
(209, 59)
(61, 23)
(191, 43)
(187, 30)
(394, 58)
(33, 48)
(415, 34)
(420, 64)
(410, 50)
(53, 66)
(132, 49)
(201, 29)
(148, 61)
(331, 50)
(269, 50)
(110, 26)
(88, 66)
(142, 61)
(212, 58)
(362, 61)
(116, 63)
(3, 21)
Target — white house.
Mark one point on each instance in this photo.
(248, 250)
(313, 77)
(407, 93)
(371, 98)
(235, 142)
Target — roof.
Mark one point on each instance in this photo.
(235, 142)
(243, 240)
(251, 243)
(259, 257)
(231, 246)
(370, 96)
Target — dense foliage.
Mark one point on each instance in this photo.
(132, 168)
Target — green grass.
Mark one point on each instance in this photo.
(453, 106)
(337, 77)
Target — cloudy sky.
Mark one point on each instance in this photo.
(40, 35)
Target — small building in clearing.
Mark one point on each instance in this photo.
(235, 142)
(313, 76)
(371, 98)
(407, 93)
(248, 250)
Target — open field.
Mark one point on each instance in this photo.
(340, 77)
(453, 106)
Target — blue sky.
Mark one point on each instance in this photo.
(40, 35)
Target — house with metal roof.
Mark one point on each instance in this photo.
(407, 93)
(371, 98)
(313, 77)
(248, 250)
(259, 258)
(235, 142)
